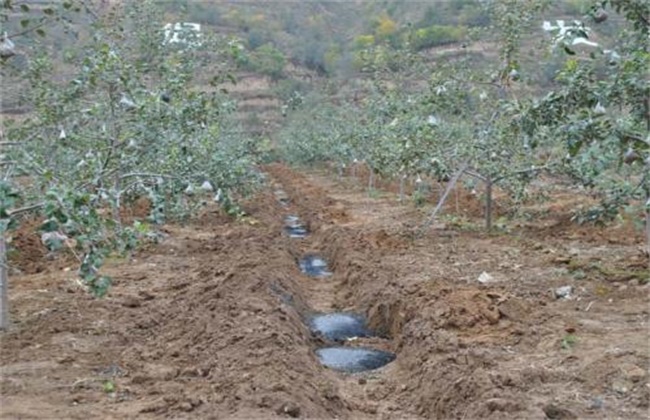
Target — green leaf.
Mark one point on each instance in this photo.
(40, 32)
(108, 386)
(67, 5)
(100, 286)
(54, 244)
(49, 225)
(24, 23)
(48, 11)
(569, 341)
(23, 7)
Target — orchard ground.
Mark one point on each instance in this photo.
(208, 323)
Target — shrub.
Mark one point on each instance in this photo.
(436, 35)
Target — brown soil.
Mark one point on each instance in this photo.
(209, 323)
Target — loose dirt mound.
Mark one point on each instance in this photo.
(26, 252)
(211, 323)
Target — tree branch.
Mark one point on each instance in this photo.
(26, 209)
(442, 200)
(637, 139)
(476, 175)
(145, 175)
(521, 172)
(33, 28)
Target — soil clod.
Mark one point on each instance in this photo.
(289, 409)
(282, 197)
(553, 411)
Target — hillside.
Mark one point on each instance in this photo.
(301, 46)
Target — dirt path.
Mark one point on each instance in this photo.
(211, 322)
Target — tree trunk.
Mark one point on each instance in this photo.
(488, 204)
(647, 233)
(4, 286)
(117, 204)
(646, 105)
(647, 226)
(371, 180)
(402, 180)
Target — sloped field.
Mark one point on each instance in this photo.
(215, 321)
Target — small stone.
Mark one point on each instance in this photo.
(290, 409)
(485, 278)
(621, 386)
(563, 292)
(596, 403)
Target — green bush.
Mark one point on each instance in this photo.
(436, 35)
(267, 60)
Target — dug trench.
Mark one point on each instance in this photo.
(214, 323)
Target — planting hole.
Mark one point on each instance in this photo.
(314, 266)
(292, 221)
(339, 326)
(294, 228)
(295, 232)
(353, 359)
